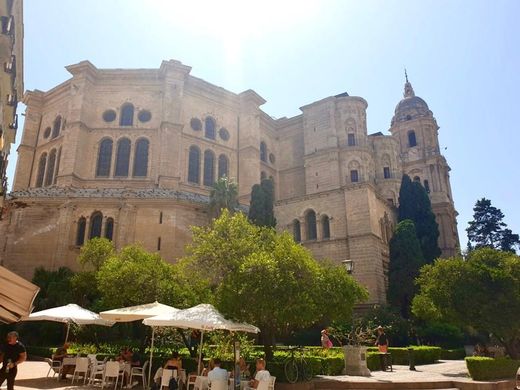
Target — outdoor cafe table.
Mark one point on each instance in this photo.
(182, 375)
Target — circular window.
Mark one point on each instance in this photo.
(272, 159)
(196, 124)
(144, 116)
(109, 116)
(224, 134)
(47, 132)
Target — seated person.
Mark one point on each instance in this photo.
(59, 355)
(217, 373)
(244, 368)
(211, 366)
(134, 358)
(123, 355)
(262, 375)
(174, 362)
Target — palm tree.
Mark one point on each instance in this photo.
(223, 196)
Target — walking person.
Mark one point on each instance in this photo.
(12, 354)
(382, 346)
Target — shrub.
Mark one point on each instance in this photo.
(484, 368)
(422, 355)
(453, 354)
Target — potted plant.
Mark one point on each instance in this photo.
(354, 347)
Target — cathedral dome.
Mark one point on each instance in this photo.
(411, 107)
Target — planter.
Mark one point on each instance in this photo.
(356, 360)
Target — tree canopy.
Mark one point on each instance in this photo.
(134, 276)
(488, 229)
(265, 278)
(261, 210)
(405, 261)
(415, 204)
(482, 292)
(223, 195)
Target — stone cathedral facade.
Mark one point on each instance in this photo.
(131, 154)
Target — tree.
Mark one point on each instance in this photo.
(95, 252)
(414, 204)
(405, 261)
(261, 210)
(135, 276)
(489, 230)
(55, 287)
(223, 195)
(481, 292)
(265, 278)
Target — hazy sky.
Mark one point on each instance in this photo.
(463, 58)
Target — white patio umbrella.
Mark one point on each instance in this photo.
(67, 314)
(140, 312)
(16, 296)
(203, 317)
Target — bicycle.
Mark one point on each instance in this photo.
(296, 367)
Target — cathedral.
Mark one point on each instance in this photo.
(131, 155)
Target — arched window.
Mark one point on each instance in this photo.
(104, 158)
(310, 221)
(351, 139)
(325, 226)
(427, 186)
(194, 165)
(41, 170)
(80, 233)
(263, 151)
(127, 115)
(386, 172)
(122, 157)
(51, 164)
(56, 127)
(58, 159)
(209, 128)
(412, 141)
(96, 221)
(109, 228)
(297, 232)
(354, 176)
(209, 168)
(141, 158)
(223, 166)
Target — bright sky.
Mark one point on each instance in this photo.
(463, 58)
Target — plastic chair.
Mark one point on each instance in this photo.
(82, 367)
(518, 379)
(54, 365)
(97, 368)
(218, 385)
(67, 361)
(112, 370)
(141, 372)
(272, 380)
(166, 376)
(191, 381)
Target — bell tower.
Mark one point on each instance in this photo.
(416, 130)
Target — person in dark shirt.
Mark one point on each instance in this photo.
(382, 346)
(12, 354)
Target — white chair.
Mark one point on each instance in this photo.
(271, 382)
(82, 367)
(112, 370)
(166, 376)
(140, 372)
(97, 369)
(191, 382)
(54, 365)
(67, 361)
(518, 379)
(263, 385)
(218, 385)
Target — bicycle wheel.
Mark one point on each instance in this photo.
(306, 370)
(291, 370)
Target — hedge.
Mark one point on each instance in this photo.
(485, 368)
(453, 354)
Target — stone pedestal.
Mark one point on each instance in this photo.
(356, 360)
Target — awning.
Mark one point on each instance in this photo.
(16, 296)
